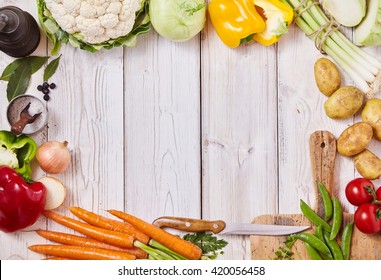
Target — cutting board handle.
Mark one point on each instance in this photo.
(323, 154)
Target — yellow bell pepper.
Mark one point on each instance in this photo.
(278, 16)
(235, 21)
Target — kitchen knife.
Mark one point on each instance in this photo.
(220, 227)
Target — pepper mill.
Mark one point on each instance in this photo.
(19, 32)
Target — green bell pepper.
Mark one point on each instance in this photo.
(17, 152)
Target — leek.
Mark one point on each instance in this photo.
(364, 69)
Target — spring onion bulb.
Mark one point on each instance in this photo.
(364, 69)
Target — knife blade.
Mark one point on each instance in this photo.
(220, 227)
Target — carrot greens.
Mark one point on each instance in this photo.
(364, 69)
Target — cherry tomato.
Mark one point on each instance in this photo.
(367, 218)
(356, 191)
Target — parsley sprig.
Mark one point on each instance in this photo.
(210, 245)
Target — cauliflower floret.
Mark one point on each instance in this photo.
(96, 20)
(100, 2)
(114, 8)
(90, 27)
(55, 8)
(8, 158)
(109, 20)
(87, 10)
(72, 6)
(67, 22)
(100, 11)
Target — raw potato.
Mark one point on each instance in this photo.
(354, 139)
(344, 102)
(327, 76)
(55, 192)
(371, 114)
(368, 165)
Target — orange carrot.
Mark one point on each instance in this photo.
(118, 239)
(80, 252)
(56, 259)
(71, 239)
(103, 222)
(175, 243)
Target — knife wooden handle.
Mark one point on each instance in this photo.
(191, 225)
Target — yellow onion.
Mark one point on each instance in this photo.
(53, 156)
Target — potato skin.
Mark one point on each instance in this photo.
(368, 165)
(327, 76)
(354, 139)
(344, 102)
(371, 114)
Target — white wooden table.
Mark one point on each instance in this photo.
(190, 129)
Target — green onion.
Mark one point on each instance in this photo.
(364, 69)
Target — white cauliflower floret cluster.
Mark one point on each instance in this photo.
(96, 20)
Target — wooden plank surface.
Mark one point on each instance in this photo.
(190, 129)
(239, 133)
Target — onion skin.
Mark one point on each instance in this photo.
(53, 157)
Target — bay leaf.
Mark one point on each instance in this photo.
(11, 67)
(19, 81)
(51, 68)
(36, 63)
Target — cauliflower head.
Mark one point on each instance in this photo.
(93, 24)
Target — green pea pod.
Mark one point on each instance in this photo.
(336, 219)
(312, 252)
(346, 238)
(313, 217)
(333, 246)
(327, 202)
(319, 234)
(314, 242)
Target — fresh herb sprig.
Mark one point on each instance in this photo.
(210, 245)
(284, 252)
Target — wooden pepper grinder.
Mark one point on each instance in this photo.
(19, 32)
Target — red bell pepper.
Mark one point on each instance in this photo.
(20, 203)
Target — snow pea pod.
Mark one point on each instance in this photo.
(327, 202)
(313, 217)
(319, 234)
(336, 219)
(312, 252)
(333, 246)
(346, 238)
(314, 242)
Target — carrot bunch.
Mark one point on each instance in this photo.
(108, 239)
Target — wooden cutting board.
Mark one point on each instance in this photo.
(323, 154)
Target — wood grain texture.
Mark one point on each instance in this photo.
(239, 134)
(190, 129)
(162, 128)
